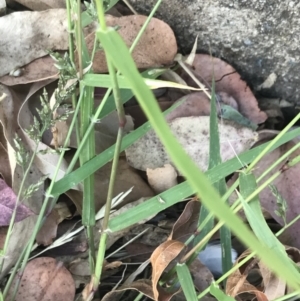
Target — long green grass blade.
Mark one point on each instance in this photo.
(104, 81)
(255, 216)
(113, 45)
(214, 174)
(186, 282)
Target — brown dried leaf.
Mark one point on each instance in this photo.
(40, 69)
(191, 132)
(194, 104)
(227, 80)
(44, 279)
(160, 259)
(156, 48)
(236, 282)
(161, 179)
(8, 203)
(50, 32)
(274, 287)
(187, 223)
(48, 231)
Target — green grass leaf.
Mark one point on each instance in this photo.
(114, 45)
(186, 282)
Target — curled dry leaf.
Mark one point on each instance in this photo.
(161, 179)
(8, 201)
(271, 288)
(187, 223)
(48, 230)
(50, 32)
(274, 286)
(227, 80)
(237, 282)
(44, 279)
(160, 260)
(156, 48)
(183, 228)
(193, 134)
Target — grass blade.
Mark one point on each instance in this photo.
(186, 282)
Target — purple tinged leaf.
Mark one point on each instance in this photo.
(8, 201)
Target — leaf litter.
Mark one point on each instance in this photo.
(239, 117)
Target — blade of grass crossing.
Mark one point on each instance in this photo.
(255, 216)
(114, 45)
(186, 282)
(220, 186)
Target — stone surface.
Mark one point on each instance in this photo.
(257, 37)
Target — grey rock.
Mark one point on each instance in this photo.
(257, 37)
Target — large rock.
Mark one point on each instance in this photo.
(257, 37)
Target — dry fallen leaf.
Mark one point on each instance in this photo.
(160, 259)
(38, 70)
(193, 134)
(274, 286)
(237, 282)
(187, 223)
(44, 279)
(34, 33)
(8, 201)
(227, 80)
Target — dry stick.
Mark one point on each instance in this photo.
(122, 122)
(88, 214)
(71, 54)
(79, 39)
